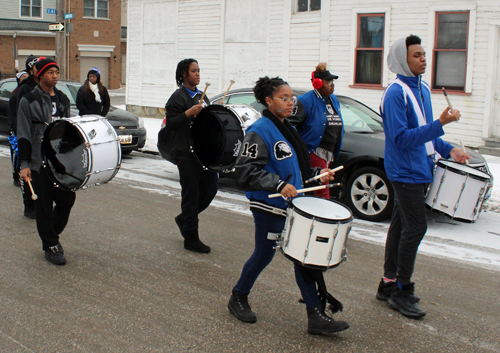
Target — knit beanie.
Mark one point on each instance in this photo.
(95, 70)
(43, 64)
(19, 75)
(30, 62)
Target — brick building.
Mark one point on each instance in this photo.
(96, 38)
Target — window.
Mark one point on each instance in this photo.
(308, 5)
(31, 8)
(369, 49)
(95, 8)
(450, 50)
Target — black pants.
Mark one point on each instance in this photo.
(199, 188)
(408, 227)
(50, 219)
(29, 204)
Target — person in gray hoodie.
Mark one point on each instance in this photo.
(37, 110)
(412, 142)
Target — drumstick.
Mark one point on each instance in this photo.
(447, 99)
(225, 94)
(314, 188)
(33, 195)
(463, 148)
(203, 95)
(324, 174)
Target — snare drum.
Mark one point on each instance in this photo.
(458, 190)
(80, 152)
(216, 135)
(316, 231)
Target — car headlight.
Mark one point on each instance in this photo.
(141, 123)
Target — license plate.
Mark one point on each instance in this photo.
(125, 139)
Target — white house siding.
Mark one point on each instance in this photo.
(242, 40)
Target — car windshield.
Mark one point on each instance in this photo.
(7, 89)
(358, 117)
(70, 90)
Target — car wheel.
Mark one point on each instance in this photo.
(369, 194)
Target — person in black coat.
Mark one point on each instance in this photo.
(93, 97)
(199, 186)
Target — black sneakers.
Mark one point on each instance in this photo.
(404, 300)
(319, 322)
(385, 289)
(55, 254)
(238, 305)
(192, 242)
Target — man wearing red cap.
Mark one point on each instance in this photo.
(38, 109)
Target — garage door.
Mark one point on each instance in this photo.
(87, 62)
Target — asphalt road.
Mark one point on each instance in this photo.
(129, 286)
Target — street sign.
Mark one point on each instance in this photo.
(68, 16)
(56, 27)
(52, 11)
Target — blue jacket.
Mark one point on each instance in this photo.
(311, 127)
(266, 159)
(405, 158)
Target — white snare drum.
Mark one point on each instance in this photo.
(458, 190)
(81, 151)
(316, 232)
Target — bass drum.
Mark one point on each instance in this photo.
(216, 135)
(80, 152)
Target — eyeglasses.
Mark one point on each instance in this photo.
(329, 83)
(287, 99)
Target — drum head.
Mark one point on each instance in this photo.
(215, 138)
(65, 155)
(463, 169)
(322, 208)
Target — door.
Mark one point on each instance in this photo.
(88, 62)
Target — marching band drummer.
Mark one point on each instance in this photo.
(36, 110)
(199, 186)
(273, 159)
(319, 121)
(411, 138)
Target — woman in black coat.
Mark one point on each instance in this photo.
(93, 97)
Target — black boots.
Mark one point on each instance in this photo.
(192, 240)
(405, 301)
(319, 322)
(239, 307)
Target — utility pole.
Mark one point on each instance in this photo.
(61, 40)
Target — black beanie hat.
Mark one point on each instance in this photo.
(95, 71)
(30, 62)
(43, 64)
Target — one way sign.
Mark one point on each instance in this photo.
(56, 27)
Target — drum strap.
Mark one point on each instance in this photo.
(311, 275)
(429, 146)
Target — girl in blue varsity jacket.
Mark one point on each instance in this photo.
(275, 159)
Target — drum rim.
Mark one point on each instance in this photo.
(443, 164)
(214, 168)
(321, 219)
(315, 267)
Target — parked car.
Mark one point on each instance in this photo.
(128, 126)
(365, 188)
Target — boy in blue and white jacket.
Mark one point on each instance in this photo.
(411, 143)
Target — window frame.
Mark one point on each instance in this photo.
(96, 9)
(435, 50)
(357, 49)
(470, 40)
(308, 7)
(31, 9)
